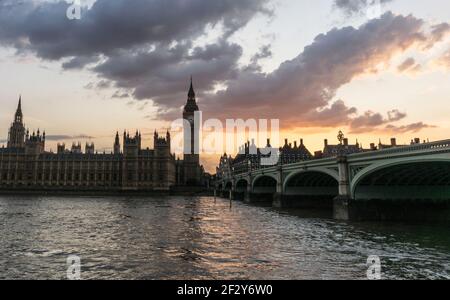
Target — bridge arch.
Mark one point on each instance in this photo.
(241, 185)
(310, 189)
(408, 179)
(324, 173)
(264, 184)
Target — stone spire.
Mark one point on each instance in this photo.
(191, 105)
(16, 137)
(117, 144)
(191, 94)
(19, 115)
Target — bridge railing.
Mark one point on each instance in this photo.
(433, 146)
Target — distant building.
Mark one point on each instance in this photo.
(250, 156)
(294, 153)
(24, 163)
(344, 148)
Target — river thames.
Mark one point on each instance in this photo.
(197, 238)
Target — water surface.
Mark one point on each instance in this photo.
(197, 238)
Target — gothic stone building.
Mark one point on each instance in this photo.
(25, 165)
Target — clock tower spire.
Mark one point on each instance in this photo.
(191, 140)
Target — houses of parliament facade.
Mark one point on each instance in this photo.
(26, 165)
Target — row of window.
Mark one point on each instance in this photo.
(78, 177)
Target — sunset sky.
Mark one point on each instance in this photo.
(318, 66)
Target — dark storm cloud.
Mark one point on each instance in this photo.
(117, 24)
(162, 74)
(144, 46)
(79, 62)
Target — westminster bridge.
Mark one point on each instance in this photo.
(400, 183)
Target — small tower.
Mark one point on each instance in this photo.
(16, 137)
(90, 148)
(162, 169)
(132, 145)
(117, 144)
(35, 143)
(61, 148)
(168, 136)
(130, 167)
(76, 148)
(162, 145)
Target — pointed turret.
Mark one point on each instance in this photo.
(191, 93)
(19, 107)
(19, 115)
(16, 136)
(191, 105)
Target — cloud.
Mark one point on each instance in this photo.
(371, 121)
(149, 51)
(301, 91)
(56, 138)
(162, 74)
(395, 115)
(264, 52)
(100, 85)
(444, 60)
(409, 65)
(352, 7)
(79, 62)
(336, 114)
(114, 25)
(414, 127)
(120, 95)
(438, 33)
(147, 47)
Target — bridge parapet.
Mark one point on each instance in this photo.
(439, 146)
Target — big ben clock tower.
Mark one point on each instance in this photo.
(191, 158)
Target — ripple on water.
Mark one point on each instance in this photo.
(197, 238)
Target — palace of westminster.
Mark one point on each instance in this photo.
(25, 165)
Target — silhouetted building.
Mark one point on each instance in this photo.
(250, 157)
(189, 170)
(24, 163)
(344, 148)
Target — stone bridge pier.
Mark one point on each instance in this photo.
(342, 202)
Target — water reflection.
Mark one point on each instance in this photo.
(195, 238)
